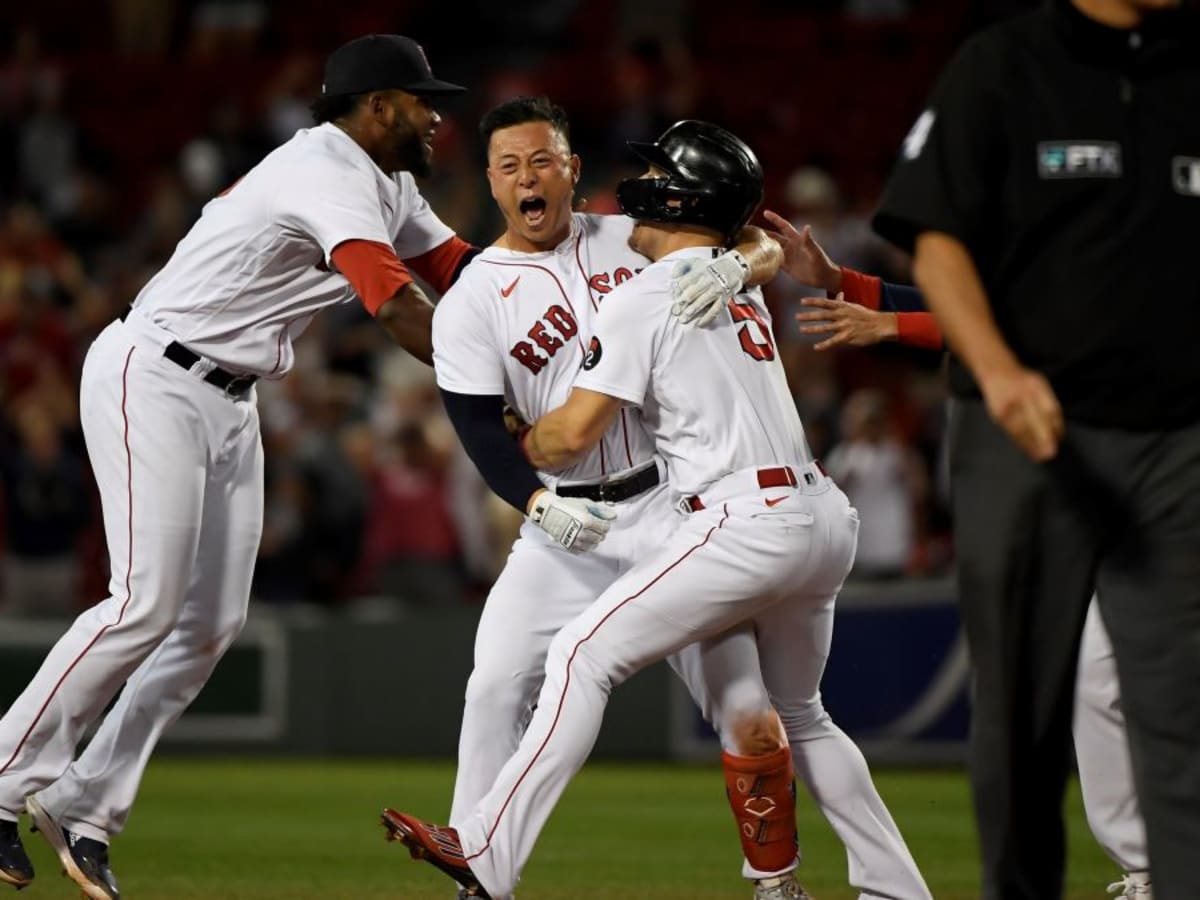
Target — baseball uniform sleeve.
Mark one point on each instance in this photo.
(421, 230)
(466, 358)
(620, 354)
(338, 204)
(952, 163)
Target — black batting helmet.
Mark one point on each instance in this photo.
(712, 179)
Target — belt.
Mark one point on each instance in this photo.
(231, 384)
(773, 477)
(613, 491)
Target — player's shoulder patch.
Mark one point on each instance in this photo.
(594, 352)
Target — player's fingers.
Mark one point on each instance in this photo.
(813, 316)
(822, 302)
(786, 228)
(826, 344)
(1042, 441)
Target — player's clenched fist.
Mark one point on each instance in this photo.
(573, 522)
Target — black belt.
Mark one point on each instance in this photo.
(231, 384)
(613, 491)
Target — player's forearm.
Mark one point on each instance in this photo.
(557, 440)
(408, 319)
(478, 421)
(954, 293)
(761, 252)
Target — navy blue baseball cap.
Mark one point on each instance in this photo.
(381, 62)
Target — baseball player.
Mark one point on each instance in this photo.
(762, 534)
(512, 331)
(867, 310)
(169, 414)
(549, 265)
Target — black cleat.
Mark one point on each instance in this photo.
(84, 861)
(15, 867)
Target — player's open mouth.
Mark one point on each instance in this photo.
(533, 209)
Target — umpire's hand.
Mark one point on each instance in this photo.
(1022, 402)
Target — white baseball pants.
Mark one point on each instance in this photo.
(1102, 751)
(724, 565)
(180, 470)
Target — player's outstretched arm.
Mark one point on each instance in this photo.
(565, 434)
(803, 258)
(846, 324)
(701, 290)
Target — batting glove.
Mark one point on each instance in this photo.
(576, 524)
(701, 290)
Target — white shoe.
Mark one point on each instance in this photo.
(781, 887)
(1134, 884)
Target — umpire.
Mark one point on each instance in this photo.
(1051, 197)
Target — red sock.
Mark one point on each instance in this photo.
(762, 795)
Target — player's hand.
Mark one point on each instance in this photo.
(1022, 402)
(847, 324)
(701, 289)
(516, 427)
(803, 257)
(574, 523)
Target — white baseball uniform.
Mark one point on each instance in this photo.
(1102, 751)
(516, 324)
(179, 465)
(769, 540)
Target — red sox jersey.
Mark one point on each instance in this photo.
(517, 324)
(253, 271)
(715, 399)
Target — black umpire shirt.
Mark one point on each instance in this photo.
(1065, 155)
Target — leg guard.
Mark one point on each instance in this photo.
(762, 795)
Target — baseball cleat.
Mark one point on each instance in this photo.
(437, 846)
(84, 861)
(780, 887)
(15, 867)
(1134, 884)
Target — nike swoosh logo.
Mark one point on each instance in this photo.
(775, 501)
(504, 292)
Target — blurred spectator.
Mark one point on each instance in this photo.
(49, 142)
(411, 546)
(227, 27)
(142, 27)
(285, 102)
(885, 482)
(46, 507)
(656, 84)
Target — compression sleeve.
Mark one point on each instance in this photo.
(442, 265)
(477, 419)
(373, 270)
(919, 329)
(915, 325)
(900, 298)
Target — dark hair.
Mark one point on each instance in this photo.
(330, 108)
(520, 110)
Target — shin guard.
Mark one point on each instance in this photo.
(762, 795)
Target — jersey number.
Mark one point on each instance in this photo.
(745, 312)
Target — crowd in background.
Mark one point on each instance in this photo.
(114, 134)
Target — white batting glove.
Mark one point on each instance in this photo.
(701, 290)
(575, 523)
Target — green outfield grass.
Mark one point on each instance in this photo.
(224, 830)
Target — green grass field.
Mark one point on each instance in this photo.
(225, 830)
